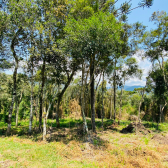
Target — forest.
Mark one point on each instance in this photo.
(70, 60)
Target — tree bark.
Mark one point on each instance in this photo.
(57, 113)
(161, 112)
(120, 105)
(17, 111)
(41, 94)
(31, 108)
(102, 111)
(17, 115)
(111, 105)
(92, 94)
(44, 125)
(114, 85)
(60, 95)
(85, 128)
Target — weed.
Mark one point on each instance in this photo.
(146, 140)
(148, 159)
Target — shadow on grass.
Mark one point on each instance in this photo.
(69, 130)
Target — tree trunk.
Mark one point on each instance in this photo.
(85, 128)
(16, 106)
(17, 115)
(44, 124)
(60, 95)
(57, 113)
(45, 115)
(161, 112)
(160, 116)
(31, 108)
(41, 94)
(114, 85)
(92, 94)
(17, 111)
(111, 105)
(102, 111)
(120, 105)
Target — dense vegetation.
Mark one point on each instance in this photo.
(54, 41)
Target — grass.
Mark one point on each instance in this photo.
(162, 127)
(107, 148)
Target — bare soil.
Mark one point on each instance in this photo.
(161, 138)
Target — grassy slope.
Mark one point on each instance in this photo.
(108, 148)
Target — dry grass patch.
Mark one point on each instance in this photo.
(67, 148)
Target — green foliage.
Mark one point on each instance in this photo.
(93, 35)
(24, 109)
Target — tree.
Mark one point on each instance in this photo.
(156, 83)
(156, 42)
(97, 38)
(16, 36)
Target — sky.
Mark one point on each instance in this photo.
(143, 15)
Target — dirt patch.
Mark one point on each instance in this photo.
(6, 163)
(136, 127)
(162, 139)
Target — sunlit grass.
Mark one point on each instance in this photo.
(108, 148)
(163, 127)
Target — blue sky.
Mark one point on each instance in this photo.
(143, 15)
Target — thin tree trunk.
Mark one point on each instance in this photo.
(41, 94)
(44, 124)
(17, 115)
(114, 85)
(31, 108)
(60, 95)
(92, 94)
(17, 111)
(16, 106)
(85, 128)
(45, 115)
(111, 104)
(102, 111)
(57, 114)
(120, 105)
(161, 112)
(160, 116)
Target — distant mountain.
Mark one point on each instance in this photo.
(129, 88)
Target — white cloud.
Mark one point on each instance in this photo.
(143, 64)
